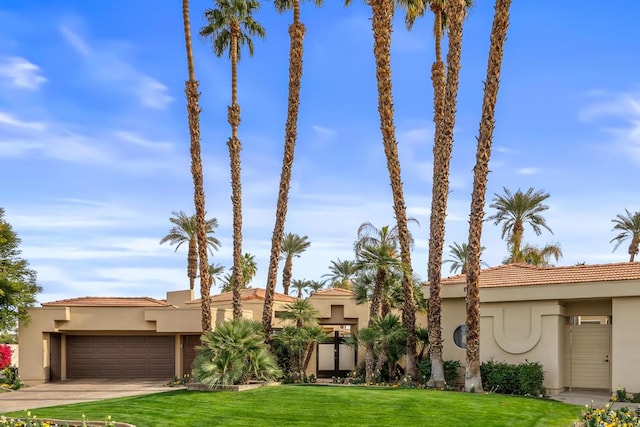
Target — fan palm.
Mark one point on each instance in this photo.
(184, 230)
(292, 246)
(516, 210)
(193, 114)
(232, 354)
(383, 334)
(230, 25)
(629, 227)
(499, 28)
(296, 33)
(382, 17)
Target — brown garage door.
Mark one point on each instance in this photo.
(120, 356)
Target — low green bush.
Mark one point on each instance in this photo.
(523, 379)
(9, 378)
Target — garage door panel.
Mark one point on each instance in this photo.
(120, 356)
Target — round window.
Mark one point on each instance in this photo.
(460, 336)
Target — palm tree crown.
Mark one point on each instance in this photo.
(229, 16)
(184, 231)
(292, 246)
(629, 227)
(341, 273)
(459, 257)
(516, 210)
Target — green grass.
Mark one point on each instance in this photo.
(322, 406)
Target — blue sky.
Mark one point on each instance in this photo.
(94, 139)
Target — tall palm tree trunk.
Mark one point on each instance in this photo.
(472, 378)
(296, 33)
(193, 111)
(286, 275)
(376, 298)
(633, 247)
(236, 186)
(192, 255)
(382, 26)
(445, 114)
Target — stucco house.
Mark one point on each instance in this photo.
(579, 322)
(115, 337)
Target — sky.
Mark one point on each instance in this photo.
(94, 142)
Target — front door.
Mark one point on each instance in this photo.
(335, 358)
(587, 356)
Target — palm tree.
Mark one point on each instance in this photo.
(450, 13)
(184, 230)
(315, 285)
(300, 285)
(233, 354)
(629, 228)
(292, 246)
(540, 256)
(200, 231)
(516, 210)
(381, 261)
(341, 273)
(472, 380)
(383, 334)
(215, 271)
(249, 269)
(302, 312)
(459, 258)
(382, 15)
(296, 33)
(230, 25)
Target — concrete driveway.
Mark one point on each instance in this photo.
(77, 391)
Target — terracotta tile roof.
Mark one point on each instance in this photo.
(246, 295)
(523, 274)
(107, 302)
(333, 292)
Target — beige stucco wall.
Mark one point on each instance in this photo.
(625, 344)
(34, 342)
(512, 332)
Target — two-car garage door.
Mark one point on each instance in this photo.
(120, 356)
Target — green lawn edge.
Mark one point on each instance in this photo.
(321, 406)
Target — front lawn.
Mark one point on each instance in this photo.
(322, 406)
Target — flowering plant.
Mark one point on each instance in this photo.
(5, 356)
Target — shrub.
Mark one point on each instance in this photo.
(10, 378)
(233, 354)
(5, 356)
(450, 370)
(523, 379)
(635, 398)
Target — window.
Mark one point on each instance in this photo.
(460, 336)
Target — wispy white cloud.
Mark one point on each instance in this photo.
(105, 62)
(619, 116)
(141, 141)
(10, 120)
(528, 171)
(324, 130)
(76, 42)
(21, 73)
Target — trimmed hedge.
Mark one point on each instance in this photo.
(523, 379)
